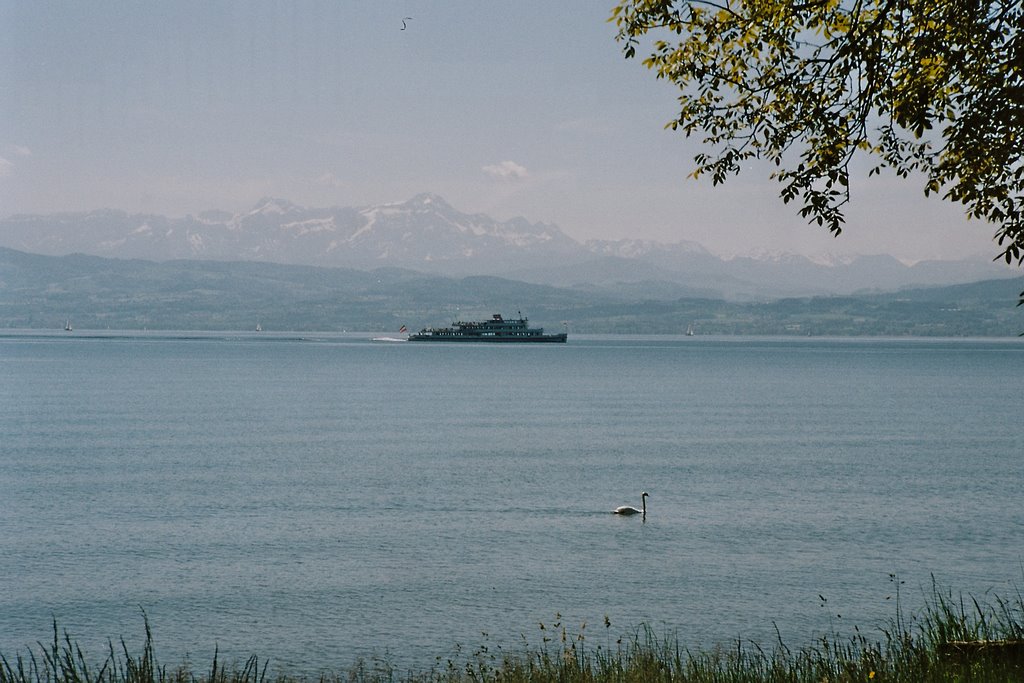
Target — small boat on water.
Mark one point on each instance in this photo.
(67, 325)
(497, 329)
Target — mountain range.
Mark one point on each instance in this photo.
(428, 235)
(97, 293)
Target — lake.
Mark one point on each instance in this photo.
(314, 499)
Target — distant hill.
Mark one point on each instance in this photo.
(428, 235)
(39, 291)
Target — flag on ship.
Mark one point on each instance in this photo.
(403, 328)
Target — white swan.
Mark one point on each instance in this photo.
(630, 510)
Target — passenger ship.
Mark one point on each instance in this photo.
(497, 329)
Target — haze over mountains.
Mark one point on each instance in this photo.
(428, 235)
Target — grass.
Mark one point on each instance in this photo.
(952, 639)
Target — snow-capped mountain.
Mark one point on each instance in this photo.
(426, 234)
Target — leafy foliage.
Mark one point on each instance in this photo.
(934, 87)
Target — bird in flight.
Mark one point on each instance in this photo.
(404, 19)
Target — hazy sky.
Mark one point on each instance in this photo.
(522, 108)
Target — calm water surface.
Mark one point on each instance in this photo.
(315, 500)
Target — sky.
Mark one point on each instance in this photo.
(523, 108)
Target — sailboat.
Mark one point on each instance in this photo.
(689, 330)
(67, 325)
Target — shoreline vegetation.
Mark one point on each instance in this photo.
(951, 639)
